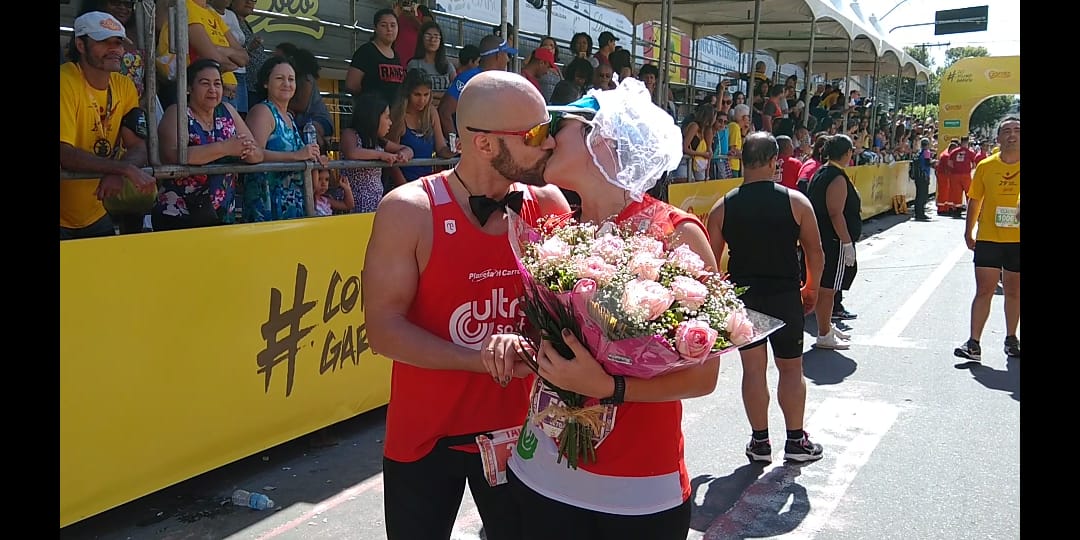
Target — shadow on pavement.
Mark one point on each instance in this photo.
(743, 505)
(308, 469)
(1007, 380)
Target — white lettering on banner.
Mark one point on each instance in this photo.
(474, 321)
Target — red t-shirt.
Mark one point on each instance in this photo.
(463, 300)
(405, 44)
(808, 169)
(789, 175)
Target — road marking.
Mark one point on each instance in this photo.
(375, 482)
(891, 330)
(849, 429)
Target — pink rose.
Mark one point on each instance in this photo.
(645, 244)
(646, 299)
(689, 292)
(694, 340)
(595, 268)
(552, 249)
(610, 247)
(646, 266)
(740, 328)
(683, 257)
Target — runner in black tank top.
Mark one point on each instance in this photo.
(764, 223)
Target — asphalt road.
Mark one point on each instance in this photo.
(918, 444)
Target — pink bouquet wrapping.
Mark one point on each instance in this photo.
(641, 307)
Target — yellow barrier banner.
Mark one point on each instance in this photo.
(184, 351)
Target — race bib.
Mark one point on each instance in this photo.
(1005, 216)
(495, 452)
(543, 398)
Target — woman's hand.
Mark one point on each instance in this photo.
(389, 157)
(406, 153)
(309, 152)
(583, 374)
(501, 355)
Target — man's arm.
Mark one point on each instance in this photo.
(390, 283)
(200, 41)
(447, 108)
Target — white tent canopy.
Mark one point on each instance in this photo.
(784, 31)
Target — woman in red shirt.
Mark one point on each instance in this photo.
(638, 486)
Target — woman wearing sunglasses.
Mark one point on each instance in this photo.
(638, 486)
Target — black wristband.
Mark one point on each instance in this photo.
(620, 392)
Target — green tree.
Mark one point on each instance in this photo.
(992, 109)
(885, 89)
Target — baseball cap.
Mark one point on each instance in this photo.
(544, 55)
(100, 26)
(503, 47)
(606, 37)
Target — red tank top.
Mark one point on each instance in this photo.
(469, 290)
(647, 439)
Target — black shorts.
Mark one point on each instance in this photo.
(835, 275)
(787, 342)
(546, 519)
(422, 498)
(1004, 255)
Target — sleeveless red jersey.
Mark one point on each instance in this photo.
(640, 466)
(470, 289)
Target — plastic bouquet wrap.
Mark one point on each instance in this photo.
(641, 307)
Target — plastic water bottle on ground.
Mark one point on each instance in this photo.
(310, 135)
(255, 501)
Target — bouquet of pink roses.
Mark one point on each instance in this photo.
(641, 307)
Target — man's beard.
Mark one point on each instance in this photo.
(505, 165)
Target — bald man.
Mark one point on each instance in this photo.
(442, 299)
(494, 55)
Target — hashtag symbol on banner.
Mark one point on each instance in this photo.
(285, 349)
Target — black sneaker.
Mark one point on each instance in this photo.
(843, 315)
(1012, 346)
(803, 450)
(759, 450)
(971, 350)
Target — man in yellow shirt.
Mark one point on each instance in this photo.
(102, 128)
(994, 205)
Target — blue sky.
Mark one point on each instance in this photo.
(1002, 37)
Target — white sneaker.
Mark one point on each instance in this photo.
(840, 333)
(831, 341)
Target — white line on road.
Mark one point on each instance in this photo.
(890, 331)
(849, 429)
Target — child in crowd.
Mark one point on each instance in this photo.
(326, 205)
(366, 140)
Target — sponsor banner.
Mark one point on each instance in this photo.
(967, 83)
(183, 351)
(567, 17)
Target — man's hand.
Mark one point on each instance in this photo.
(143, 181)
(969, 240)
(847, 251)
(109, 186)
(809, 299)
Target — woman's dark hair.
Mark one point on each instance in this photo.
(195, 67)
(704, 115)
(378, 17)
(648, 69)
(579, 67)
(736, 95)
(263, 77)
(619, 59)
(414, 78)
(441, 64)
(588, 39)
(818, 152)
(556, 43)
(365, 119)
(565, 92)
(837, 145)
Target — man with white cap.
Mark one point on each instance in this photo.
(102, 128)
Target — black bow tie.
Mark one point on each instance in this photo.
(482, 207)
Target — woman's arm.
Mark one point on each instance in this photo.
(260, 120)
(350, 144)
